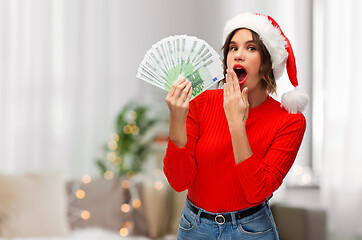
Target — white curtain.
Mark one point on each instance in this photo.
(342, 82)
(61, 82)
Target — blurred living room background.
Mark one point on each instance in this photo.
(75, 120)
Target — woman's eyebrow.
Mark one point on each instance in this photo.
(250, 41)
(247, 42)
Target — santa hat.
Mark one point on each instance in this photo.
(280, 51)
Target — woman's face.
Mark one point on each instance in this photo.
(244, 59)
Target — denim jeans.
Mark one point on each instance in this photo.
(259, 225)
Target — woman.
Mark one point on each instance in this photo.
(232, 147)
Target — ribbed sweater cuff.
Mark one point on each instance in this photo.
(251, 180)
(247, 168)
(172, 146)
(177, 154)
(178, 167)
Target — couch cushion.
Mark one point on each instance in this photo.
(103, 200)
(33, 204)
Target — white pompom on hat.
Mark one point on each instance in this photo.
(280, 51)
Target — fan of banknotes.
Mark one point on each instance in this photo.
(181, 56)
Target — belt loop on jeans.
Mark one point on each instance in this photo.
(233, 219)
(198, 216)
(197, 211)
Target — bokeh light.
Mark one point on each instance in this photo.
(123, 232)
(80, 194)
(158, 185)
(136, 203)
(112, 145)
(125, 184)
(111, 156)
(86, 179)
(125, 208)
(85, 215)
(108, 175)
(298, 170)
(114, 137)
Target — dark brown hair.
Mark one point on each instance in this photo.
(265, 71)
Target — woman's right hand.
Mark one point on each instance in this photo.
(178, 99)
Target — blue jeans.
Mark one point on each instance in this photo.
(259, 225)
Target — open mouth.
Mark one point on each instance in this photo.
(241, 73)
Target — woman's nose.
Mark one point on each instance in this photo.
(239, 56)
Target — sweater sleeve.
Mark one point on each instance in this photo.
(260, 176)
(179, 164)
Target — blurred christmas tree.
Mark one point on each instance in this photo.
(130, 145)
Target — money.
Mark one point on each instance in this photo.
(181, 55)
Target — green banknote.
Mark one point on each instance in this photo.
(181, 56)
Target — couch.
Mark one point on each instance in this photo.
(45, 204)
(40, 205)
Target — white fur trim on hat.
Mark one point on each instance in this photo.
(271, 37)
(294, 100)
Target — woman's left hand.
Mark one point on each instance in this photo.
(236, 104)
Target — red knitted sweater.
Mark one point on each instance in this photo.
(206, 165)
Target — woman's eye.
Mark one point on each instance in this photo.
(251, 48)
(233, 48)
